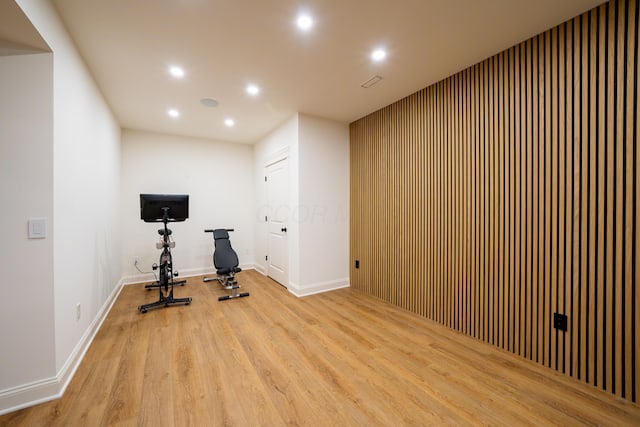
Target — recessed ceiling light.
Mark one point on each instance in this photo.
(304, 22)
(253, 89)
(229, 122)
(208, 102)
(378, 55)
(176, 71)
(173, 113)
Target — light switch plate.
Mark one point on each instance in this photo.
(37, 228)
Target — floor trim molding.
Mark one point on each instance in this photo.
(317, 288)
(41, 391)
(192, 272)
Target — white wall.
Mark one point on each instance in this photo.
(318, 227)
(283, 138)
(324, 203)
(218, 176)
(82, 178)
(26, 187)
(86, 185)
(86, 144)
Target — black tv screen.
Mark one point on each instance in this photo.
(152, 207)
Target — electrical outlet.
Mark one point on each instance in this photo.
(78, 311)
(135, 261)
(560, 321)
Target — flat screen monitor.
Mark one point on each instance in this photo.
(153, 207)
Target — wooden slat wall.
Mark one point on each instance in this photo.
(508, 192)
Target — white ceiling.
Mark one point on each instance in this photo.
(225, 44)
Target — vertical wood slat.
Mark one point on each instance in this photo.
(600, 179)
(501, 296)
(529, 338)
(562, 191)
(568, 202)
(583, 198)
(635, 296)
(508, 192)
(630, 82)
(474, 198)
(547, 286)
(609, 191)
(554, 210)
(517, 227)
(578, 171)
(511, 207)
(592, 194)
(619, 192)
(522, 226)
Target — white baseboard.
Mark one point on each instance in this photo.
(150, 277)
(316, 288)
(192, 272)
(26, 395)
(259, 269)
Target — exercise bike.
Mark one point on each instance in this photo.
(166, 281)
(225, 260)
(163, 256)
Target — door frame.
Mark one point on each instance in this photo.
(281, 154)
(275, 157)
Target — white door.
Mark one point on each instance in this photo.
(277, 182)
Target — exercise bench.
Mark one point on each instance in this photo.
(225, 260)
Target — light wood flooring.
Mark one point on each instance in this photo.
(340, 358)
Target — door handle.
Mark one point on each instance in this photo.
(283, 229)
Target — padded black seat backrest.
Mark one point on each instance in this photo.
(225, 258)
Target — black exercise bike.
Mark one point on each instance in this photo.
(166, 280)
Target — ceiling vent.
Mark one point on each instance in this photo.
(373, 80)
